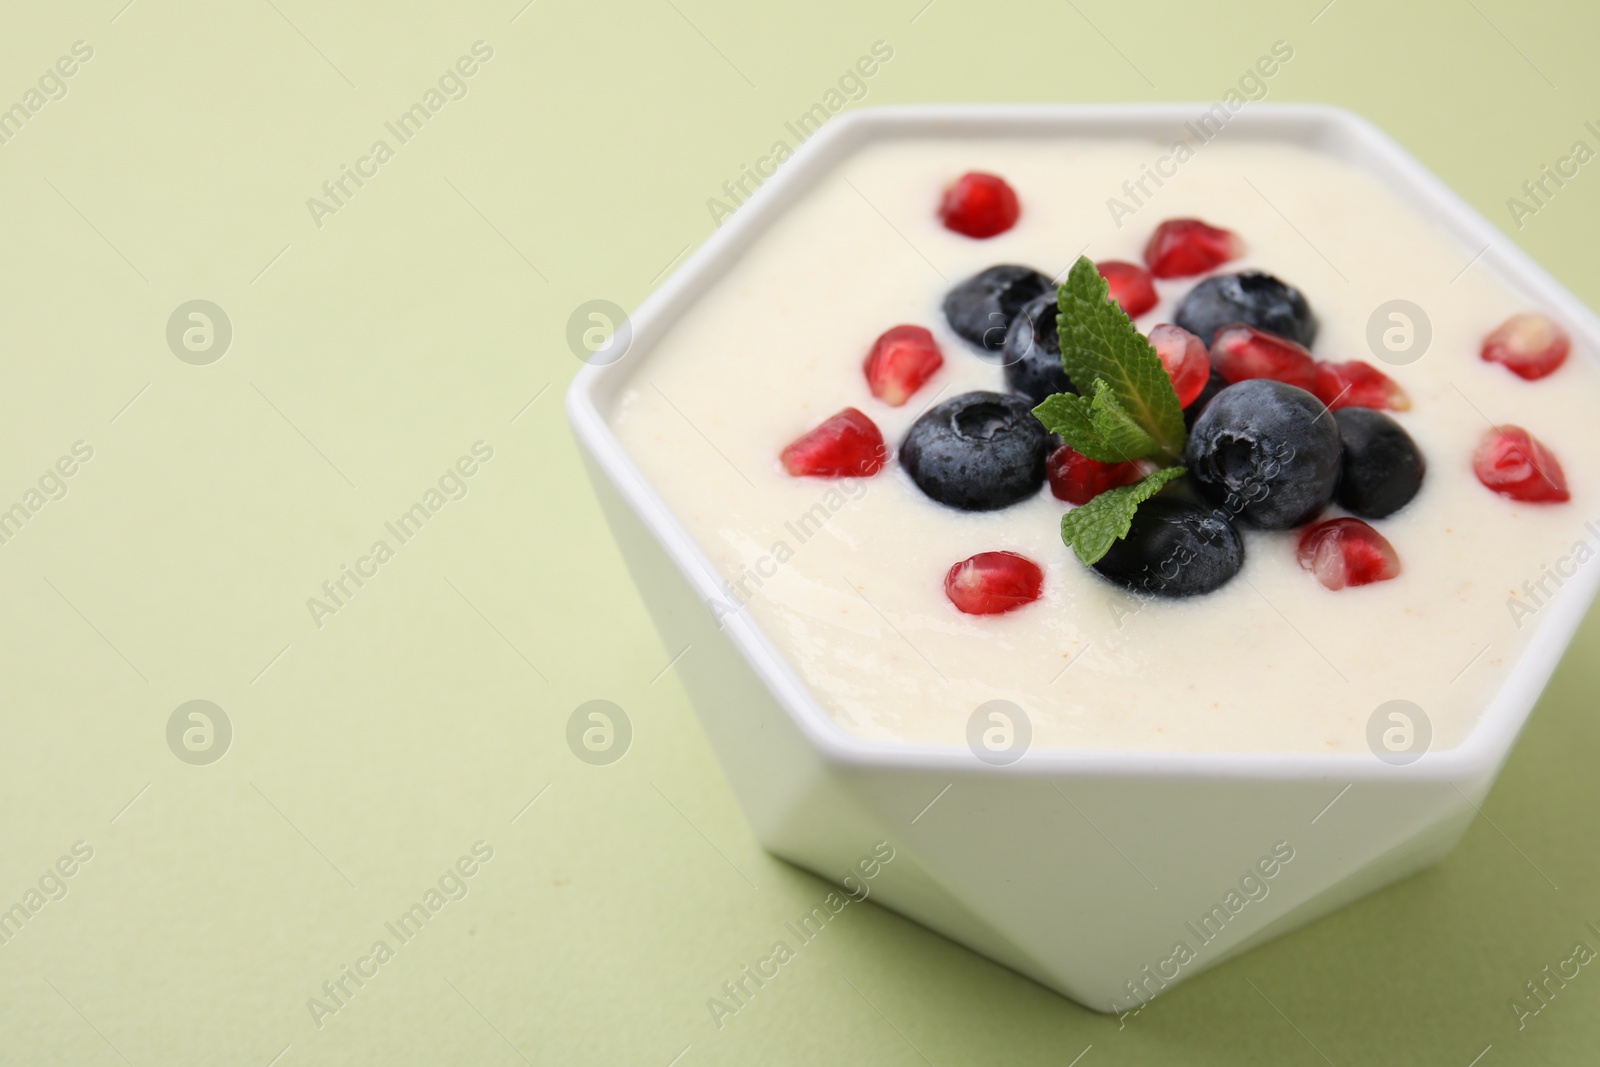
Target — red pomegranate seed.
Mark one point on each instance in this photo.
(979, 205)
(1358, 385)
(993, 582)
(1514, 463)
(1241, 352)
(1181, 247)
(846, 445)
(902, 360)
(1184, 356)
(1077, 479)
(1131, 286)
(1347, 552)
(1531, 345)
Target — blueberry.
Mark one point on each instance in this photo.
(977, 451)
(1214, 385)
(1032, 353)
(1265, 452)
(1174, 548)
(1253, 298)
(981, 308)
(1382, 467)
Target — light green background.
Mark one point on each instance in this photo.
(427, 713)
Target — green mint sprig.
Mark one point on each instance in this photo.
(1127, 409)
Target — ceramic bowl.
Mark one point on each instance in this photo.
(1085, 870)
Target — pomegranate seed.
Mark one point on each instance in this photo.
(1357, 384)
(1181, 247)
(1347, 552)
(1242, 352)
(901, 362)
(1131, 286)
(979, 205)
(993, 582)
(1531, 345)
(1514, 463)
(1077, 479)
(1184, 356)
(846, 445)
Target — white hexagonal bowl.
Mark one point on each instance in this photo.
(1032, 864)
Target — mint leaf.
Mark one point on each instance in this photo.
(1091, 529)
(1116, 427)
(1098, 425)
(1068, 414)
(1099, 341)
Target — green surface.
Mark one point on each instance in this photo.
(424, 714)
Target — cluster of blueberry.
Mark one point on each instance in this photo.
(1275, 435)
(1263, 448)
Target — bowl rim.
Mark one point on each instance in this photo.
(1320, 126)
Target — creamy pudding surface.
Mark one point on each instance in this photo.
(847, 577)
